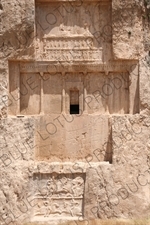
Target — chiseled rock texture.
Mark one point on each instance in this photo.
(57, 165)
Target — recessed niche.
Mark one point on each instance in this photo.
(74, 102)
(74, 109)
(71, 31)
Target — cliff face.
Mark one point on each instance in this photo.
(74, 110)
(131, 40)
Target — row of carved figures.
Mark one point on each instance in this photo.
(48, 207)
(61, 187)
(72, 55)
(71, 44)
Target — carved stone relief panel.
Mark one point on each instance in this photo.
(58, 195)
(74, 32)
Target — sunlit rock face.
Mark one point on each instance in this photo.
(75, 111)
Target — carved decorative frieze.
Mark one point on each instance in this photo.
(71, 49)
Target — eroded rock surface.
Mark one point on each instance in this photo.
(74, 111)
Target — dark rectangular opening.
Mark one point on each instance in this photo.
(74, 109)
(74, 101)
